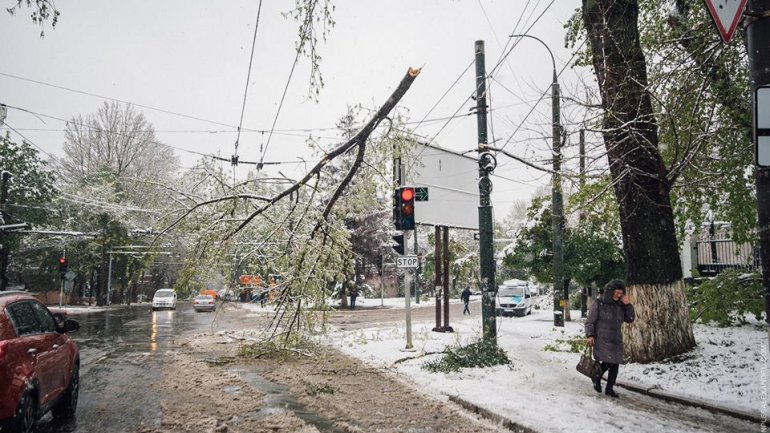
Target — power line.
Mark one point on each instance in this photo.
(302, 42)
(246, 90)
(114, 99)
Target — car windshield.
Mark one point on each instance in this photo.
(203, 298)
(164, 294)
(510, 291)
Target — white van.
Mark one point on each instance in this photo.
(164, 298)
(513, 298)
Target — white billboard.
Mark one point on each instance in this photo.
(452, 183)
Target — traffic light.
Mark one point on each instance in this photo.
(63, 266)
(399, 247)
(403, 208)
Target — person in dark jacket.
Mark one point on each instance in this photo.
(466, 298)
(606, 315)
(353, 292)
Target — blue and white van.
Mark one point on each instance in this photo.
(513, 298)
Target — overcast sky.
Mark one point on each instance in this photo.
(191, 58)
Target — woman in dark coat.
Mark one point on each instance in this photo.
(607, 314)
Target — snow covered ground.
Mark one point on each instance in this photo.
(543, 391)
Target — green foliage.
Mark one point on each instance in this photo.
(31, 189)
(698, 88)
(296, 345)
(479, 354)
(574, 344)
(592, 253)
(314, 390)
(726, 299)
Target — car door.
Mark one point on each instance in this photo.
(58, 357)
(41, 344)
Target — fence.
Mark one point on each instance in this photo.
(716, 252)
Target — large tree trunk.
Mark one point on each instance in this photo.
(646, 339)
(640, 183)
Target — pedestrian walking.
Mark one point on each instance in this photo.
(466, 298)
(605, 317)
(353, 295)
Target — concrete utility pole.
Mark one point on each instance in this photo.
(487, 165)
(560, 298)
(758, 48)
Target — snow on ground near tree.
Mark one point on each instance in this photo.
(542, 390)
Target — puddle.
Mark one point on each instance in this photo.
(277, 400)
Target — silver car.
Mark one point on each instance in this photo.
(204, 303)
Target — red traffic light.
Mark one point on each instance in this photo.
(62, 260)
(407, 194)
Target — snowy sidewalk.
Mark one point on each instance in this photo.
(543, 392)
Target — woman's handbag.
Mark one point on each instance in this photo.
(588, 366)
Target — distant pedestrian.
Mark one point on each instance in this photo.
(605, 317)
(466, 298)
(353, 295)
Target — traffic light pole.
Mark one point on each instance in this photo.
(758, 48)
(486, 166)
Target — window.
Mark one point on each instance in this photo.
(44, 319)
(23, 317)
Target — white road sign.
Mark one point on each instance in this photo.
(406, 261)
(726, 14)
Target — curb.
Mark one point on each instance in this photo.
(654, 391)
(484, 413)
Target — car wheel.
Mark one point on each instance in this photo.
(66, 406)
(25, 416)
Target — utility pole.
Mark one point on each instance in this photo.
(560, 303)
(6, 178)
(487, 165)
(584, 291)
(416, 270)
(758, 48)
(560, 300)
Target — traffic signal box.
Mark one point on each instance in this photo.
(403, 208)
(63, 265)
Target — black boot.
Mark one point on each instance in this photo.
(611, 393)
(598, 385)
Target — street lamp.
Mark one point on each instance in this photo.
(557, 204)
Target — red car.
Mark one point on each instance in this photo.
(39, 363)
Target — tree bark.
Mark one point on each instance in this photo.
(657, 304)
(640, 181)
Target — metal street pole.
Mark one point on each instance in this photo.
(758, 48)
(109, 279)
(487, 165)
(557, 202)
(4, 253)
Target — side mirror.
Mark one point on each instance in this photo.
(70, 326)
(527, 295)
(59, 319)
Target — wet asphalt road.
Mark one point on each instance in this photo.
(121, 358)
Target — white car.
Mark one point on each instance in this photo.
(513, 299)
(164, 298)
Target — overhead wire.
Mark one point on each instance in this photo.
(108, 98)
(303, 40)
(246, 90)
